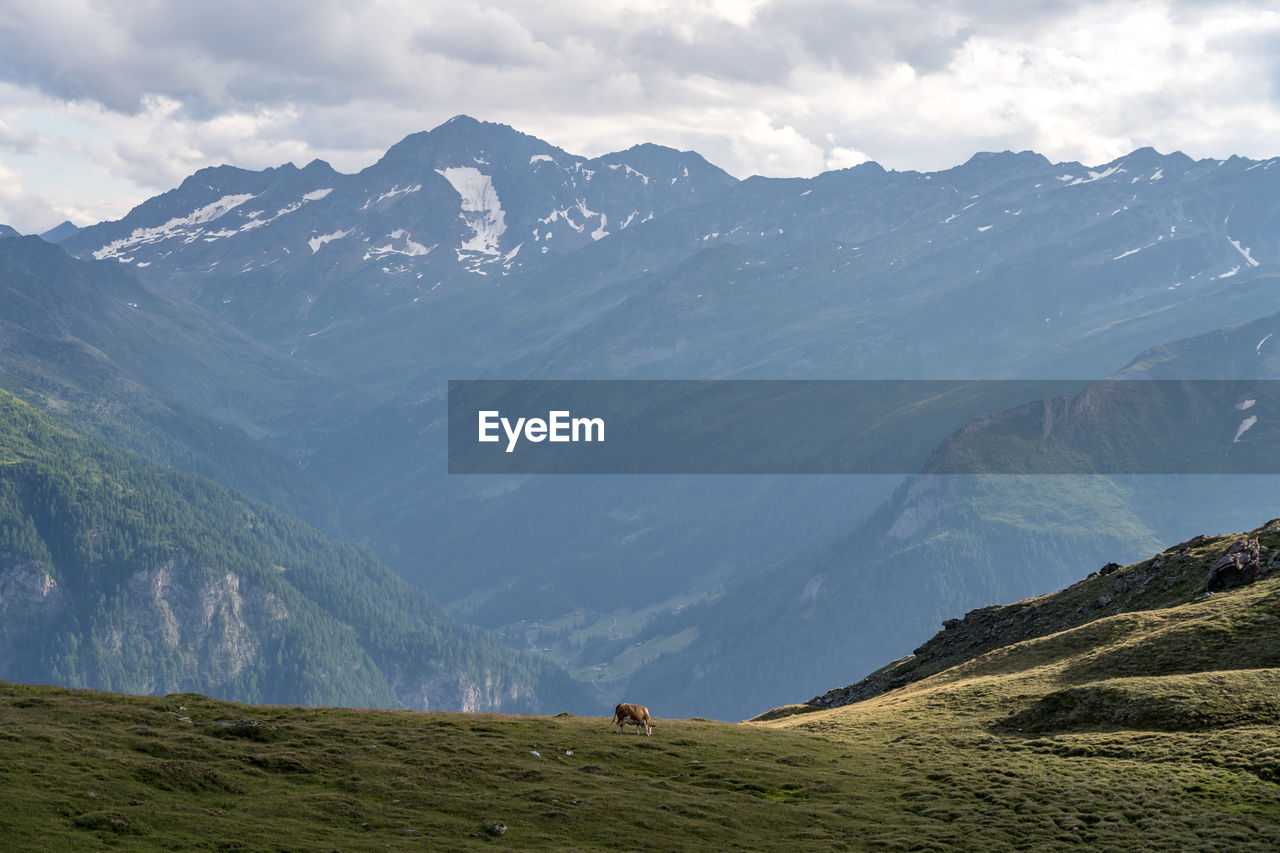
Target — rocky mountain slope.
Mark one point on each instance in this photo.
(1186, 575)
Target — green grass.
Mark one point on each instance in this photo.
(174, 776)
(926, 770)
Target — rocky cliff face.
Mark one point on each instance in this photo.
(184, 626)
(30, 600)
(439, 688)
(210, 623)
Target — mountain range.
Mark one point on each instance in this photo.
(289, 332)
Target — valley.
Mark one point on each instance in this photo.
(289, 333)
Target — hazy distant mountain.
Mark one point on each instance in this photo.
(6, 231)
(943, 544)
(60, 232)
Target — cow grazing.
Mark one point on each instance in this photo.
(635, 714)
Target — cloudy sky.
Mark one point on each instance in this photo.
(104, 103)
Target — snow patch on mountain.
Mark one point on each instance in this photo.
(316, 242)
(584, 212)
(481, 209)
(1244, 252)
(391, 193)
(1093, 176)
(1245, 426)
(256, 220)
(408, 247)
(1139, 249)
(181, 226)
(588, 213)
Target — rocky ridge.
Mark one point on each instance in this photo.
(1198, 568)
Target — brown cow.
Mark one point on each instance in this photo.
(627, 713)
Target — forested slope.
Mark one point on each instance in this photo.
(119, 573)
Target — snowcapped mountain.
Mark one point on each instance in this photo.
(1067, 268)
(1007, 265)
(466, 203)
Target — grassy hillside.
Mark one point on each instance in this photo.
(1139, 706)
(1147, 721)
(1173, 585)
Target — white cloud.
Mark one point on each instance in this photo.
(839, 157)
(123, 99)
(20, 207)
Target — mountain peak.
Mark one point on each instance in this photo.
(463, 140)
(1148, 157)
(465, 124)
(60, 232)
(1006, 157)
